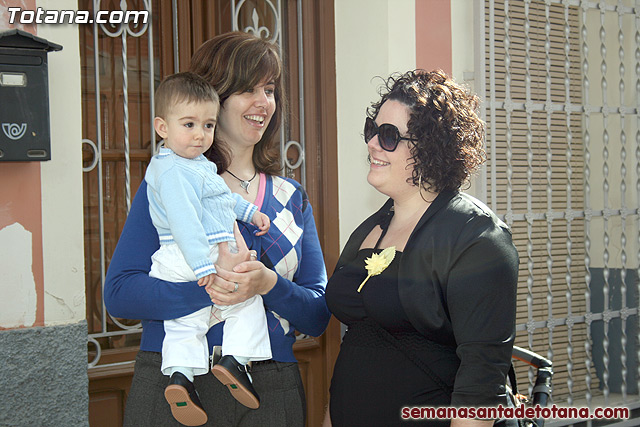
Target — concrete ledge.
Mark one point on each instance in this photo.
(44, 376)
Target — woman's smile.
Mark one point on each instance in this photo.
(378, 163)
(256, 120)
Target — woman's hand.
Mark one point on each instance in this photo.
(252, 278)
(206, 280)
(227, 259)
(239, 276)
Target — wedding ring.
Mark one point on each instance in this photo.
(254, 255)
(235, 289)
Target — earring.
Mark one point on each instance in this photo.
(420, 181)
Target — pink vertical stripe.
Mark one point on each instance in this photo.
(261, 190)
(433, 35)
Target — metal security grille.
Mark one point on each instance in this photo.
(561, 89)
(119, 73)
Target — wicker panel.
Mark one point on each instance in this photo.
(555, 269)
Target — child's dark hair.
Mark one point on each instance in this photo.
(183, 87)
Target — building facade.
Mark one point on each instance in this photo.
(560, 85)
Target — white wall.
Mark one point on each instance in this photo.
(373, 38)
(462, 41)
(62, 214)
(463, 65)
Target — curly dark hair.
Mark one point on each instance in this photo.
(444, 121)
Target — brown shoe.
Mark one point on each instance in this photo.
(234, 375)
(185, 403)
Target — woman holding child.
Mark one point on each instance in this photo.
(284, 266)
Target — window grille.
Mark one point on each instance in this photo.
(562, 81)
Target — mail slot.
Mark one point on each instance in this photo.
(24, 97)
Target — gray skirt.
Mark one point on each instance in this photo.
(282, 400)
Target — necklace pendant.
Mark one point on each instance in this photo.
(244, 183)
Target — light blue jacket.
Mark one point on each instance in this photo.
(191, 205)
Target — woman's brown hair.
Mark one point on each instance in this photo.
(233, 63)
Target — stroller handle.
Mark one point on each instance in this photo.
(542, 389)
(531, 358)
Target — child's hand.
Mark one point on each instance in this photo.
(261, 221)
(206, 280)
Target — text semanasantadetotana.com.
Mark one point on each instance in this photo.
(522, 411)
(42, 16)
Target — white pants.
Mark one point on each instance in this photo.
(245, 331)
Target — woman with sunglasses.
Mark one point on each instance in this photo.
(431, 318)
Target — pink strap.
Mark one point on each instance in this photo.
(261, 191)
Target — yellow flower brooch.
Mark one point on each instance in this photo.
(377, 263)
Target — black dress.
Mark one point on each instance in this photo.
(373, 379)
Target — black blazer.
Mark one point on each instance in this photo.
(457, 282)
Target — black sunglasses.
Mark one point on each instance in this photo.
(388, 134)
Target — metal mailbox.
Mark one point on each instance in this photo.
(24, 97)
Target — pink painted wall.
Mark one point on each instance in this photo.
(4, 15)
(20, 194)
(433, 35)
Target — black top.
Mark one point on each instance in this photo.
(373, 379)
(355, 297)
(377, 300)
(457, 281)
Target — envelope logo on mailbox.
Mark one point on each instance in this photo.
(14, 131)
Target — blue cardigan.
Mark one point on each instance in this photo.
(291, 246)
